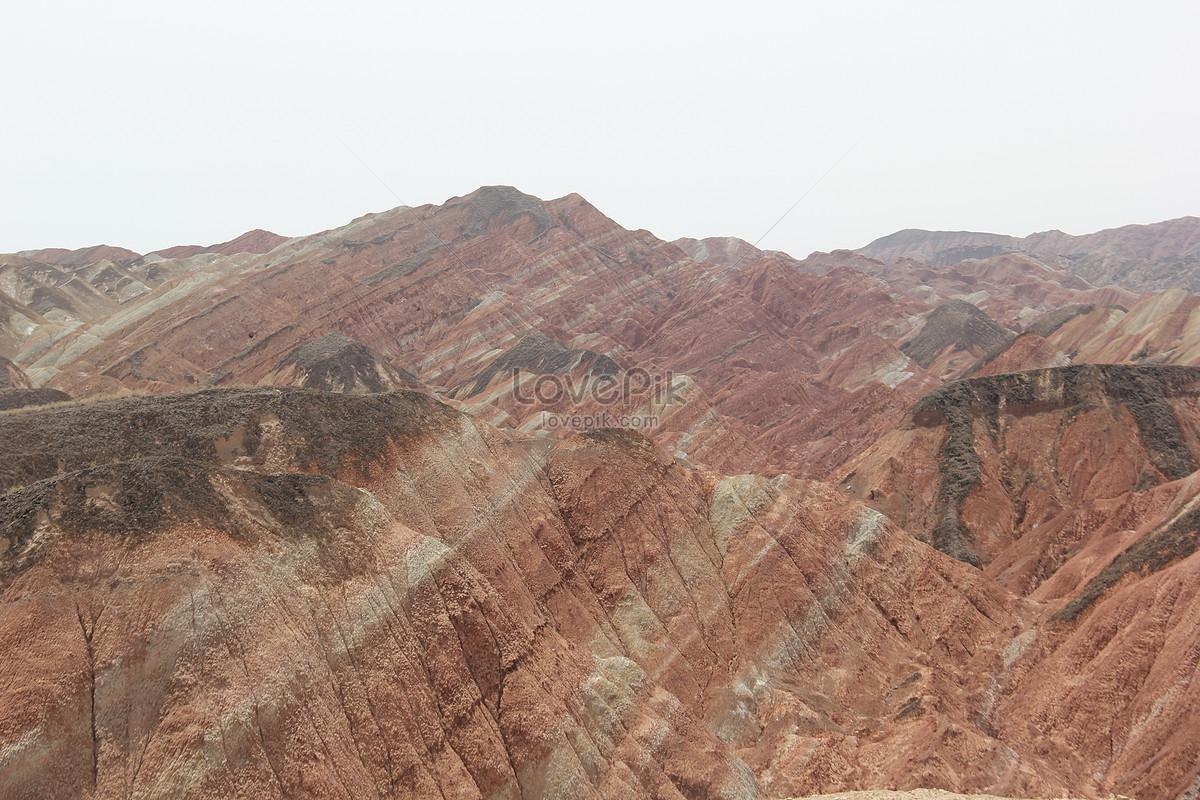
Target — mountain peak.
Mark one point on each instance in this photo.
(337, 363)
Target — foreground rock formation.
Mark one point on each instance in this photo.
(1077, 489)
(251, 592)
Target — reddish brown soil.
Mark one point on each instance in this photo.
(399, 581)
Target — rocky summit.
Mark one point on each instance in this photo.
(499, 499)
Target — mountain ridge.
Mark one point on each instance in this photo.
(308, 530)
(1142, 257)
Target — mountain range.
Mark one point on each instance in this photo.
(332, 515)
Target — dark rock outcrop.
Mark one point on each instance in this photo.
(540, 355)
(13, 399)
(337, 363)
(956, 325)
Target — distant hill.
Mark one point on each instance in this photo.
(1145, 258)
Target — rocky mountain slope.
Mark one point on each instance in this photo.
(337, 363)
(781, 365)
(250, 592)
(443, 292)
(921, 516)
(1075, 488)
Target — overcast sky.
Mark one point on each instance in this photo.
(147, 124)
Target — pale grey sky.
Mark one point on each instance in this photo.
(147, 124)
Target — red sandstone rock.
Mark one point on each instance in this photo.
(274, 592)
(1076, 489)
(251, 592)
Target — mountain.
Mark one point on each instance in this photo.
(1144, 258)
(263, 570)
(1154, 257)
(959, 326)
(780, 365)
(497, 498)
(444, 290)
(337, 363)
(938, 248)
(255, 241)
(1075, 489)
(82, 256)
(728, 251)
(771, 364)
(1013, 288)
(1158, 329)
(1024, 441)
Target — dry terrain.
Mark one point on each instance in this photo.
(285, 517)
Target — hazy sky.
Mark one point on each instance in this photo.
(148, 124)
